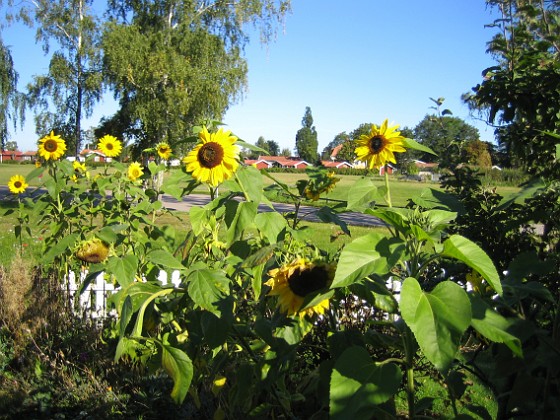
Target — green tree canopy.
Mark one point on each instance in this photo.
(11, 104)
(73, 84)
(306, 138)
(446, 136)
(521, 94)
(172, 64)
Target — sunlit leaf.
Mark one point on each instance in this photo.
(207, 287)
(371, 253)
(179, 367)
(123, 268)
(466, 251)
(361, 194)
(438, 319)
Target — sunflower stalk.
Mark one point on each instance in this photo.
(388, 193)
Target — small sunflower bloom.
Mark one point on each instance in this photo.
(17, 184)
(110, 146)
(378, 147)
(294, 281)
(134, 171)
(164, 150)
(37, 163)
(79, 167)
(52, 147)
(93, 251)
(214, 159)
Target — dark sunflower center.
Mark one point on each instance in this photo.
(376, 144)
(17, 184)
(307, 281)
(51, 146)
(210, 155)
(109, 146)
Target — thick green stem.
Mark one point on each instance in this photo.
(409, 356)
(388, 194)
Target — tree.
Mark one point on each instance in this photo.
(173, 64)
(286, 152)
(261, 142)
(73, 84)
(273, 148)
(306, 138)
(11, 104)
(11, 146)
(520, 95)
(446, 136)
(476, 153)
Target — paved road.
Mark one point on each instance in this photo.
(306, 212)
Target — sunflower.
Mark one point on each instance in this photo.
(293, 282)
(51, 147)
(110, 146)
(319, 185)
(93, 251)
(79, 167)
(164, 150)
(135, 171)
(215, 158)
(17, 184)
(377, 148)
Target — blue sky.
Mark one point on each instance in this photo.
(350, 61)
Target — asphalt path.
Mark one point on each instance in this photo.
(308, 213)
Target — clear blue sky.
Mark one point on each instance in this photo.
(350, 61)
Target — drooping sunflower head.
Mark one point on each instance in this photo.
(164, 150)
(319, 183)
(214, 159)
(17, 184)
(378, 147)
(93, 251)
(52, 147)
(134, 171)
(292, 283)
(110, 146)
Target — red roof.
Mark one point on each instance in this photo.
(329, 164)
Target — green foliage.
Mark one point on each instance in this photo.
(73, 84)
(521, 92)
(306, 139)
(446, 136)
(11, 105)
(371, 317)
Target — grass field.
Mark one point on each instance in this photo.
(401, 191)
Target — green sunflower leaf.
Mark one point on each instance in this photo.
(413, 144)
(179, 367)
(371, 253)
(358, 384)
(438, 319)
(466, 251)
(207, 287)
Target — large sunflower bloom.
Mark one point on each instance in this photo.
(293, 282)
(215, 158)
(378, 147)
(17, 184)
(110, 146)
(51, 147)
(135, 171)
(164, 150)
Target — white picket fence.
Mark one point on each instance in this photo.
(92, 302)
